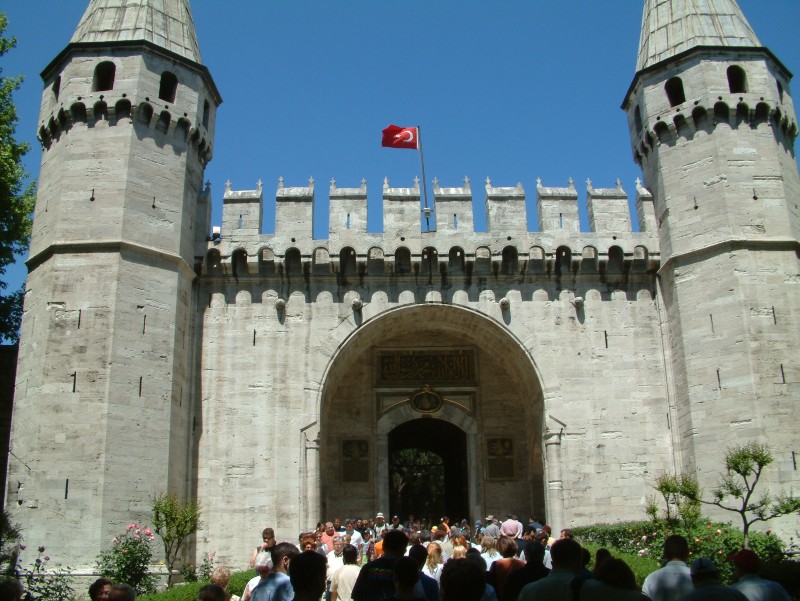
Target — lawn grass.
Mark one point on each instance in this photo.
(642, 566)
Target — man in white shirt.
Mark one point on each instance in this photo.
(674, 580)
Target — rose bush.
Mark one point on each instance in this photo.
(128, 560)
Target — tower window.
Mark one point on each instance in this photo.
(57, 87)
(104, 74)
(206, 114)
(780, 90)
(737, 80)
(637, 120)
(674, 90)
(169, 87)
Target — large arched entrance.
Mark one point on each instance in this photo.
(449, 382)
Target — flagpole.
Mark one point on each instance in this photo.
(426, 209)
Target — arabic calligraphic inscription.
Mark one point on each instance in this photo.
(448, 367)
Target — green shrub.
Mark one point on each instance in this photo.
(239, 580)
(183, 592)
(188, 591)
(706, 539)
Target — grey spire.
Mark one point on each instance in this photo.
(166, 23)
(671, 26)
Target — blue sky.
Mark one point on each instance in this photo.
(508, 89)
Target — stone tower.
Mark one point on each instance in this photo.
(712, 125)
(102, 415)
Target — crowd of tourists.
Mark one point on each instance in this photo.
(492, 560)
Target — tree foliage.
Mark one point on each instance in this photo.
(680, 501)
(174, 521)
(17, 195)
(736, 489)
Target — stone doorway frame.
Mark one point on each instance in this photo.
(454, 415)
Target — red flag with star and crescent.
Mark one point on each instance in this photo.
(395, 136)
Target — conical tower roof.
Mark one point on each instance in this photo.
(670, 27)
(166, 23)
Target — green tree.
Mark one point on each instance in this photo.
(736, 489)
(17, 195)
(680, 501)
(174, 521)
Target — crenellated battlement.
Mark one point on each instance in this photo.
(113, 110)
(454, 249)
(706, 114)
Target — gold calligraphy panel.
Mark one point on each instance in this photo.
(436, 368)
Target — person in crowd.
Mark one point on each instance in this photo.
(376, 580)
(433, 562)
(473, 555)
(489, 548)
(674, 580)
(427, 586)
(707, 586)
(459, 552)
(567, 559)
(122, 592)
(327, 535)
(501, 568)
(567, 533)
(750, 584)
(212, 592)
(512, 528)
(221, 576)
(615, 581)
(307, 572)
(380, 524)
(99, 589)
(532, 571)
(338, 526)
(602, 554)
(462, 580)
(335, 557)
(277, 586)
(344, 578)
(263, 565)
(492, 527)
(355, 536)
(406, 578)
(267, 542)
(12, 590)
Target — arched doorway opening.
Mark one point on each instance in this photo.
(428, 474)
(438, 364)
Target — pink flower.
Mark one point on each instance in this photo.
(115, 540)
(23, 546)
(708, 526)
(697, 540)
(719, 531)
(644, 537)
(47, 557)
(130, 526)
(148, 532)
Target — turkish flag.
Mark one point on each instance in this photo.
(400, 137)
